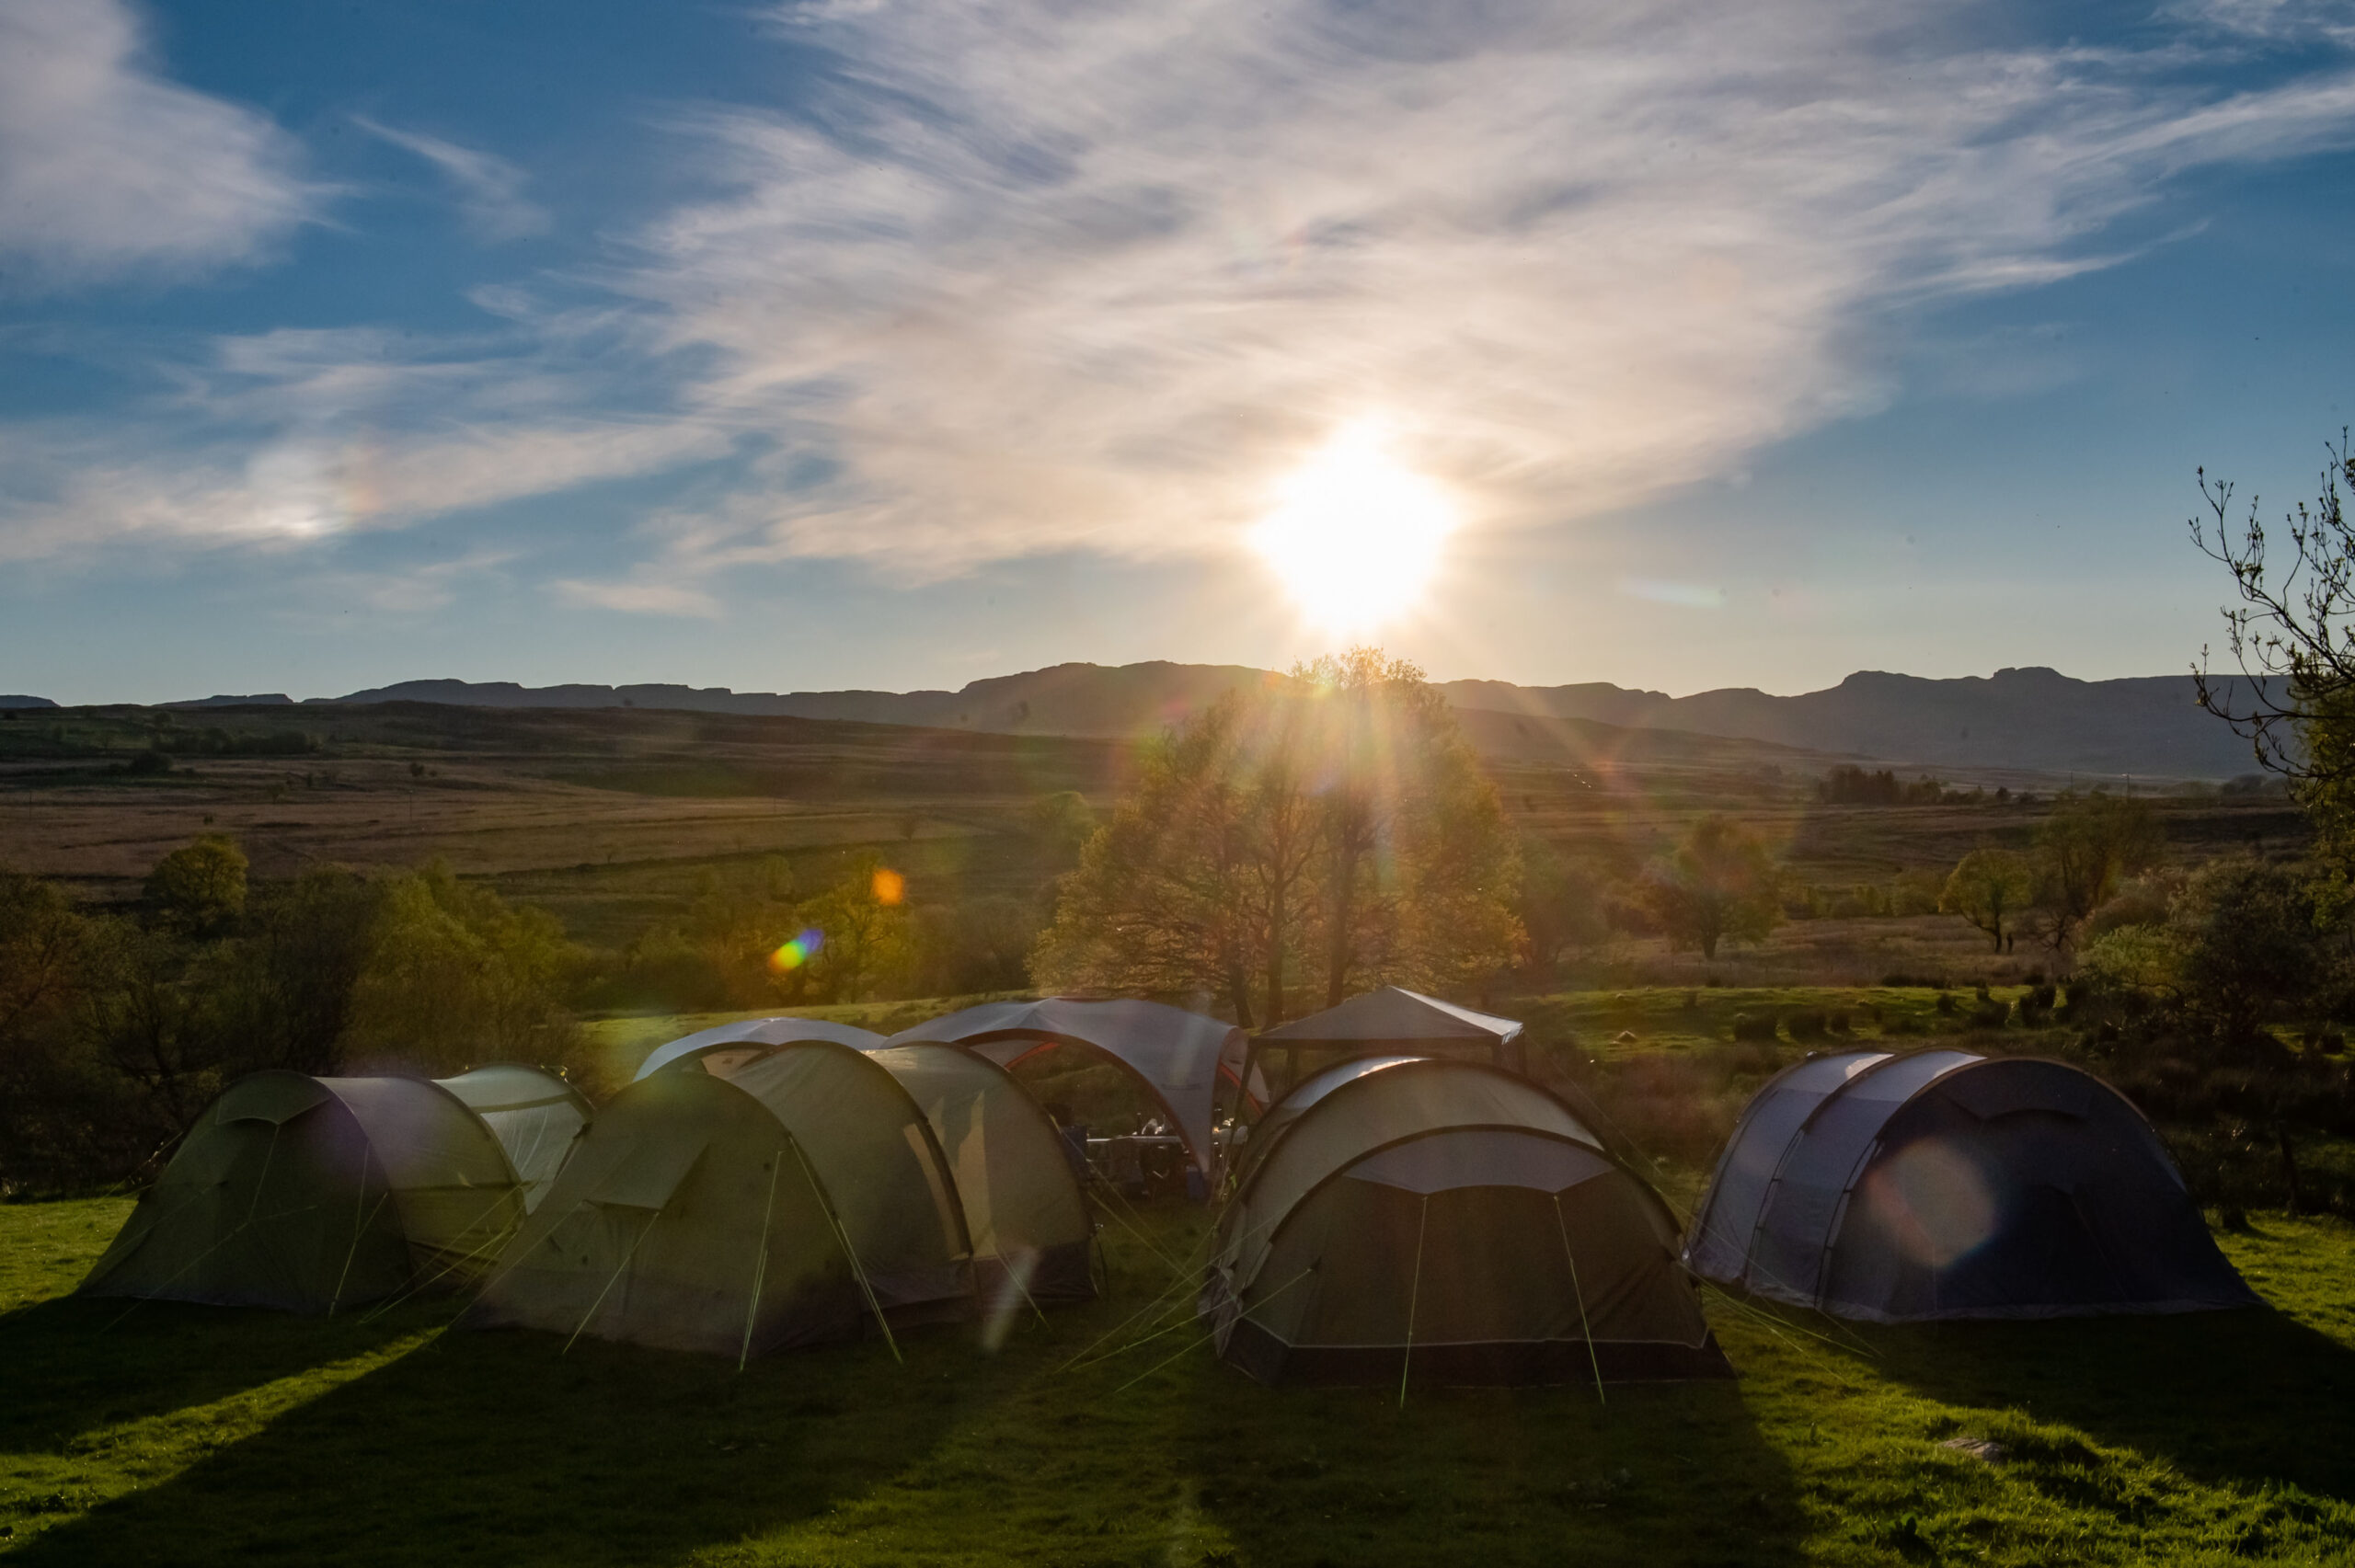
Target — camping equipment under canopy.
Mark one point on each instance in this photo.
(1942, 1184)
(1449, 1221)
(310, 1194)
(800, 1197)
(1179, 1058)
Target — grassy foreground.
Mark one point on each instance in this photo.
(186, 1435)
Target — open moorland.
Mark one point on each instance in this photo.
(607, 818)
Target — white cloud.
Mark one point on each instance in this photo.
(299, 437)
(640, 598)
(1037, 277)
(107, 169)
(490, 190)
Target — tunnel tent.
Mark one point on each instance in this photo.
(535, 1115)
(779, 1031)
(1032, 1233)
(1393, 1019)
(1942, 1184)
(1449, 1221)
(1263, 1133)
(311, 1194)
(800, 1197)
(1180, 1058)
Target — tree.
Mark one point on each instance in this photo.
(456, 976)
(2082, 850)
(1989, 888)
(1720, 884)
(2252, 949)
(862, 929)
(200, 888)
(1335, 824)
(1561, 903)
(2293, 640)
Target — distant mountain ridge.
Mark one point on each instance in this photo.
(2029, 718)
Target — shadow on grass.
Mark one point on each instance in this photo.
(79, 1364)
(2244, 1398)
(1659, 1474)
(502, 1447)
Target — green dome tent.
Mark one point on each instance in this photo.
(310, 1194)
(788, 1202)
(535, 1115)
(1029, 1223)
(1449, 1221)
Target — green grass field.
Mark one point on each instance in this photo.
(186, 1435)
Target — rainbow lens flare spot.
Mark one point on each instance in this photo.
(796, 951)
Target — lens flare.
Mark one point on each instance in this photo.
(796, 951)
(1933, 1200)
(1355, 534)
(890, 886)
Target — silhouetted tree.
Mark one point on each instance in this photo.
(1719, 884)
(1990, 887)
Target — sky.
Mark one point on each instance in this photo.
(860, 343)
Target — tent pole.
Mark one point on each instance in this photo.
(841, 1234)
(1414, 1297)
(628, 1258)
(760, 1267)
(1563, 1226)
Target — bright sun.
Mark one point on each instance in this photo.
(1354, 534)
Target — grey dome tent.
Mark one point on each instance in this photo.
(1031, 1231)
(1942, 1184)
(535, 1115)
(754, 1032)
(310, 1194)
(1179, 1058)
(796, 1199)
(1449, 1221)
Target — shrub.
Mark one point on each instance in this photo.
(1753, 1027)
(1946, 1001)
(1806, 1023)
(1989, 1015)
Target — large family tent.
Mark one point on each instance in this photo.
(1393, 1019)
(795, 1199)
(1946, 1184)
(1449, 1221)
(535, 1115)
(1179, 1058)
(1031, 1231)
(735, 1041)
(311, 1194)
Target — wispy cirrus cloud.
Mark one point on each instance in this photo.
(489, 189)
(1019, 277)
(107, 169)
(1030, 278)
(640, 598)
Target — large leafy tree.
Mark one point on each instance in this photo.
(2082, 850)
(1719, 884)
(1991, 888)
(1333, 830)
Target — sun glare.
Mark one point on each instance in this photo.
(1354, 534)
